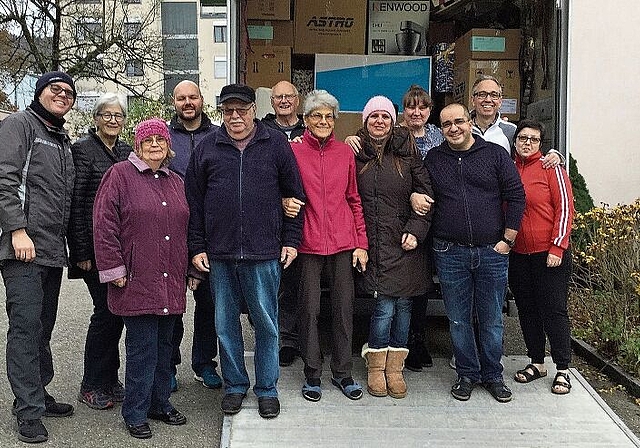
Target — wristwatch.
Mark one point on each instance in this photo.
(509, 242)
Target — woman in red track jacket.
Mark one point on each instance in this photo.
(540, 261)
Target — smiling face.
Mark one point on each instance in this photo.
(187, 101)
(379, 123)
(153, 150)
(320, 122)
(58, 104)
(488, 106)
(110, 128)
(284, 99)
(416, 115)
(456, 127)
(527, 142)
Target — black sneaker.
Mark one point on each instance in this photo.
(268, 407)
(462, 388)
(54, 409)
(232, 403)
(32, 431)
(499, 391)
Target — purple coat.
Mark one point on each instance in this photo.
(140, 232)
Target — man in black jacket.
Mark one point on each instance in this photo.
(36, 185)
(479, 202)
(285, 100)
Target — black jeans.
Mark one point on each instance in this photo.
(32, 306)
(101, 349)
(541, 297)
(288, 306)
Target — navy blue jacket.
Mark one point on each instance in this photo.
(235, 197)
(478, 193)
(183, 142)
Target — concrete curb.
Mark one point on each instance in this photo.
(615, 372)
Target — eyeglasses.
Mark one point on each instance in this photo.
(242, 111)
(158, 139)
(458, 122)
(288, 97)
(57, 90)
(525, 139)
(316, 116)
(107, 116)
(483, 95)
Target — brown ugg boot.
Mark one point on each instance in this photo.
(393, 370)
(376, 359)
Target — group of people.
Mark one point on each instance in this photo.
(252, 216)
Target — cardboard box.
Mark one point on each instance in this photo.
(267, 65)
(507, 72)
(269, 9)
(270, 32)
(398, 27)
(330, 26)
(488, 44)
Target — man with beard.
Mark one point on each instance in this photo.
(187, 128)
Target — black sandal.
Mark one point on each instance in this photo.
(566, 383)
(529, 376)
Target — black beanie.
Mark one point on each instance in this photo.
(51, 77)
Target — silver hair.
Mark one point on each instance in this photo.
(108, 99)
(320, 98)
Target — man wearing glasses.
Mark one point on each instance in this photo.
(235, 181)
(489, 124)
(36, 186)
(285, 101)
(473, 233)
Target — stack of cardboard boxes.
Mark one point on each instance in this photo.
(489, 52)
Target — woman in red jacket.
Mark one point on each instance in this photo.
(540, 261)
(334, 240)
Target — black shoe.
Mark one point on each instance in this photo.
(232, 403)
(141, 431)
(32, 431)
(54, 409)
(173, 417)
(412, 362)
(462, 388)
(499, 391)
(268, 407)
(287, 356)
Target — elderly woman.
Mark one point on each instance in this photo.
(140, 232)
(389, 170)
(540, 260)
(334, 241)
(93, 155)
(416, 108)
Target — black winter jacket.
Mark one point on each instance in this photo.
(385, 195)
(270, 121)
(92, 159)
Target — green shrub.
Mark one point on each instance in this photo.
(581, 197)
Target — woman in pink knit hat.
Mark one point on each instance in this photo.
(389, 169)
(140, 236)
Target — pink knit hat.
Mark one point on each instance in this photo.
(152, 126)
(378, 103)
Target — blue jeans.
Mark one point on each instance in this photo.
(257, 283)
(473, 280)
(390, 321)
(147, 379)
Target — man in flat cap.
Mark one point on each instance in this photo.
(235, 181)
(36, 185)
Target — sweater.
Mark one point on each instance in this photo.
(333, 219)
(548, 215)
(478, 193)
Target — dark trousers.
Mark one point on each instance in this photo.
(288, 306)
(541, 297)
(101, 349)
(205, 339)
(148, 369)
(32, 305)
(340, 274)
